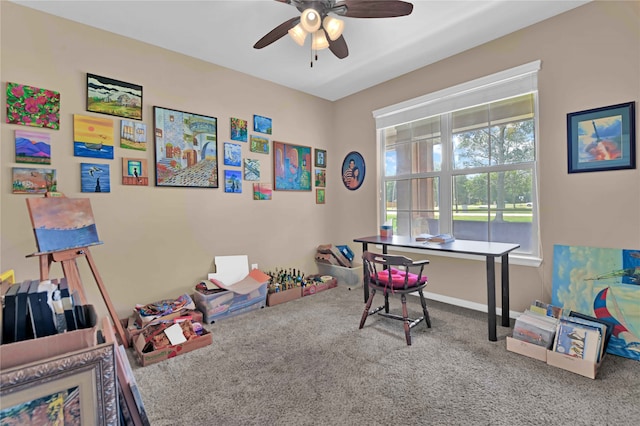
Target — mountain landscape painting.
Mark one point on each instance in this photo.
(33, 147)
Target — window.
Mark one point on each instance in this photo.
(463, 161)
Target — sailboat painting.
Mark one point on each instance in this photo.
(603, 283)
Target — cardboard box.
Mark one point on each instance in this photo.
(148, 358)
(527, 349)
(351, 277)
(131, 328)
(575, 365)
(312, 289)
(284, 296)
(32, 350)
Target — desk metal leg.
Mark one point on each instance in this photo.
(505, 290)
(491, 297)
(365, 284)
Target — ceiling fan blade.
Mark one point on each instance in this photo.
(375, 8)
(277, 33)
(339, 47)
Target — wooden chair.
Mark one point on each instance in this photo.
(390, 275)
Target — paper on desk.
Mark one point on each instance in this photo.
(230, 269)
(175, 334)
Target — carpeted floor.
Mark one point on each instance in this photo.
(306, 363)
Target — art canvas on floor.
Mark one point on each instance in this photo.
(603, 283)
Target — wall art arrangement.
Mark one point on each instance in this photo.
(238, 129)
(259, 144)
(320, 157)
(33, 181)
(33, 147)
(291, 167)
(320, 195)
(135, 171)
(353, 170)
(95, 177)
(233, 181)
(602, 283)
(262, 191)
(133, 135)
(262, 124)
(186, 149)
(321, 178)
(251, 169)
(602, 139)
(33, 106)
(114, 97)
(232, 154)
(92, 137)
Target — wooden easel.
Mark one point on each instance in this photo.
(68, 260)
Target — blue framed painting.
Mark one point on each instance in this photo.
(233, 181)
(232, 154)
(603, 283)
(262, 124)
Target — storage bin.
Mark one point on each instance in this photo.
(351, 277)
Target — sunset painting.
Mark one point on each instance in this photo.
(33, 147)
(92, 137)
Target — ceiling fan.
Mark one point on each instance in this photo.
(316, 18)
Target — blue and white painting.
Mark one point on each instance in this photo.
(95, 177)
(233, 181)
(262, 124)
(232, 154)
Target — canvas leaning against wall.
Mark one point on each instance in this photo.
(603, 283)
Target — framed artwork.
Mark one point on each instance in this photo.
(251, 169)
(233, 181)
(238, 129)
(114, 97)
(92, 137)
(320, 196)
(353, 170)
(291, 167)
(321, 178)
(262, 124)
(262, 191)
(232, 154)
(603, 283)
(259, 144)
(133, 135)
(94, 177)
(75, 388)
(34, 181)
(186, 147)
(320, 157)
(33, 147)
(32, 106)
(135, 171)
(602, 139)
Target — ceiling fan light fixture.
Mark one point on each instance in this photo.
(333, 27)
(319, 40)
(310, 20)
(298, 34)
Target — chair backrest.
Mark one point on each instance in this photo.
(393, 272)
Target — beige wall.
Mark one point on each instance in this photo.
(158, 242)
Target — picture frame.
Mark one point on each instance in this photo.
(602, 139)
(291, 167)
(320, 195)
(27, 180)
(238, 128)
(114, 97)
(259, 145)
(33, 147)
(186, 149)
(78, 386)
(46, 110)
(353, 170)
(320, 156)
(321, 178)
(135, 171)
(262, 124)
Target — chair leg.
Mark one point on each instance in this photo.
(386, 301)
(425, 312)
(405, 317)
(365, 314)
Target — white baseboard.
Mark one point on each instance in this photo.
(465, 304)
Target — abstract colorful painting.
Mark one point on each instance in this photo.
(33, 181)
(233, 181)
(602, 283)
(135, 171)
(321, 178)
(320, 196)
(262, 191)
(133, 135)
(95, 178)
(259, 145)
(262, 124)
(238, 129)
(92, 137)
(57, 408)
(291, 167)
(114, 97)
(232, 154)
(33, 147)
(186, 149)
(251, 169)
(32, 106)
(62, 223)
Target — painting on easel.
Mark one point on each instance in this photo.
(62, 223)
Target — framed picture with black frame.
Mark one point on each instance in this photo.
(602, 139)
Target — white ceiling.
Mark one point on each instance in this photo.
(223, 32)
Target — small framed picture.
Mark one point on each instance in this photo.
(319, 195)
(262, 124)
(353, 170)
(320, 157)
(321, 178)
(602, 139)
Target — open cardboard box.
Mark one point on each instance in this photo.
(527, 349)
(284, 296)
(579, 366)
(311, 289)
(132, 329)
(152, 357)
